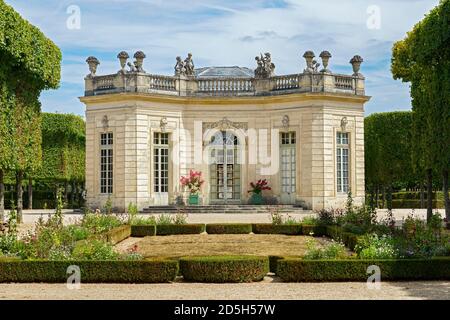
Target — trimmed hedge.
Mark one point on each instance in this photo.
(145, 271)
(268, 228)
(143, 230)
(298, 270)
(414, 204)
(220, 269)
(229, 228)
(318, 231)
(170, 229)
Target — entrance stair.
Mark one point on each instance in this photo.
(229, 208)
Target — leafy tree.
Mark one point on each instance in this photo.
(388, 157)
(30, 64)
(423, 59)
(63, 147)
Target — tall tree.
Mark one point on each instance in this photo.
(30, 64)
(423, 59)
(387, 152)
(63, 147)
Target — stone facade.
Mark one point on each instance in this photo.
(314, 107)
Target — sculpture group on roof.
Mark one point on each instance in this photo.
(186, 67)
(265, 67)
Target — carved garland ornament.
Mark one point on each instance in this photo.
(225, 124)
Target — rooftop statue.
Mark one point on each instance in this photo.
(265, 68)
(186, 67)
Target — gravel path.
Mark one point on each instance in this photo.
(269, 289)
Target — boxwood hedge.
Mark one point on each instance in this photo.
(268, 228)
(219, 269)
(298, 270)
(170, 229)
(229, 228)
(143, 271)
(143, 231)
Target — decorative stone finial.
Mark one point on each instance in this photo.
(138, 64)
(325, 56)
(356, 64)
(265, 68)
(93, 63)
(123, 57)
(311, 64)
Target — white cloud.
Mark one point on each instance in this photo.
(228, 33)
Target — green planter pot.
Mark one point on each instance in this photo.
(257, 198)
(193, 199)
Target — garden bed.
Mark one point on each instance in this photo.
(224, 244)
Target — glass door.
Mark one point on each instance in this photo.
(225, 171)
(161, 168)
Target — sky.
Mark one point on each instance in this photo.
(225, 33)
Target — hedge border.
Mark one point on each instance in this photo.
(223, 269)
(113, 236)
(269, 228)
(229, 228)
(174, 229)
(299, 270)
(143, 271)
(143, 230)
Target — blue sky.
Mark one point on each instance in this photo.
(227, 33)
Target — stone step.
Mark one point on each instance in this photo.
(232, 209)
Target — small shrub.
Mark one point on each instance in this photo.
(333, 250)
(143, 221)
(132, 211)
(229, 228)
(94, 250)
(107, 208)
(220, 269)
(180, 218)
(164, 219)
(99, 223)
(371, 246)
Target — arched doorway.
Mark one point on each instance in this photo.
(224, 168)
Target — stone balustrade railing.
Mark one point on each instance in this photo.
(223, 86)
(219, 86)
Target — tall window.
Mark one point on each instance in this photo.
(288, 162)
(106, 163)
(342, 160)
(161, 161)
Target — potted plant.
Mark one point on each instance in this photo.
(193, 182)
(256, 190)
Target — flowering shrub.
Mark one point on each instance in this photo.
(372, 246)
(259, 186)
(333, 250)
(193, 182)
